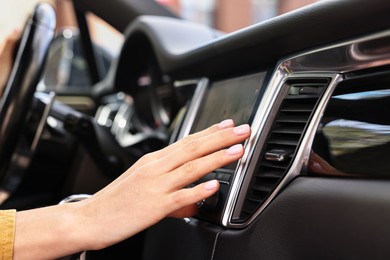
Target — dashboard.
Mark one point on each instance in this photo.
(288, 106)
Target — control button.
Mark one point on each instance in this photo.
(210, 176)
(223, 177)
(209, 204)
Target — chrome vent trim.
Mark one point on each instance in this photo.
(249, 163)
(280, 148)
(284, 137)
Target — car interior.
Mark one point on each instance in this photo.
(313, 83)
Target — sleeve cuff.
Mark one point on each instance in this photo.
(7, 233)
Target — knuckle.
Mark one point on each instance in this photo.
(147, 157)
(187, 139)
(192, 146)
(222, 136)
(189, 167)
(152, 156)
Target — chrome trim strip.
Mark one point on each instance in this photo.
(193, 107)
(349, 56)
(258, 123)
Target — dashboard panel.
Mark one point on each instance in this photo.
(285, 112)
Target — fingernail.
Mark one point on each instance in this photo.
(235, 149)
(225, 124)
(211, 185)
(241, 130)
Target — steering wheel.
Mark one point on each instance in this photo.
(16, 102)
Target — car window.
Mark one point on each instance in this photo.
(104, 35)
(67, 67)
(13, 15)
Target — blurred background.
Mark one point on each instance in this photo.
(67, 67)
(231, 15)
(225, 15)
(13, 15)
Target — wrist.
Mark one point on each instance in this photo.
(75, 227)
(87, 218)
(58, 229)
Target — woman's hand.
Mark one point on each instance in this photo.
(155, 187)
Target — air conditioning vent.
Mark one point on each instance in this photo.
(283, 140)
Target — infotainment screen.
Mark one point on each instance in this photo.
(230, 99)
(235, 99)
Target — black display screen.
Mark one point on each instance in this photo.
(230, 99)
(235, 99)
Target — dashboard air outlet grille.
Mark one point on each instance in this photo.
(285, 134)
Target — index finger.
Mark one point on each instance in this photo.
(228, 123)
(191, 149)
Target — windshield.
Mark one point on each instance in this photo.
(231, 15)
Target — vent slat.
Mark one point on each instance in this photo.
(255, 200)
(300, 97)
(270, 165)
(293, 118)
(288, 131)
(296, 110)
(288, 127)
(263, 187)
(270, 173)
(250, 207)
(283, 142)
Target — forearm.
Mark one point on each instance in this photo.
(49, 233)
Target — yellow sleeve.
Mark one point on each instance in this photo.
(7, 233)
